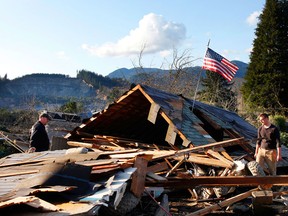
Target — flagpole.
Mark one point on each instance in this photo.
(196, 90)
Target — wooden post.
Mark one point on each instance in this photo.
(138, 177)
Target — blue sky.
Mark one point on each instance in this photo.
(63, 36)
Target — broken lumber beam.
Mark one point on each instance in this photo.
(223, 204)
(230, 142)
(82, 144)
(32, 201)
(175, 167)
(155, 176)
(138, 177)
(262, 197)
(220, 157)
(205, 161)
(157, 167)
(280, 180)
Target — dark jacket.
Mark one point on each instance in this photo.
(39, 137)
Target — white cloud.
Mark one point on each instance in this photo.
(253, 18)
(154, 34)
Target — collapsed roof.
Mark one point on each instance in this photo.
(157, 117)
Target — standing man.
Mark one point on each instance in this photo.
(268, 146)
(39, 140)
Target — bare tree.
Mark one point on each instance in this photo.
(179, 78)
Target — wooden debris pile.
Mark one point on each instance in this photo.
(149, 144)
(87, 180)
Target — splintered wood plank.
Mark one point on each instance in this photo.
(216, 181)
(18, 173)
(224, 143)
(42, 204)
(82, 144)
(31, 201)
(156, 177)
(205, 161)
(219, 157)
(22, 162)
(139, 176)
(176, 166)
(223, 204)
(96, 162)
(167, 161)
(158, 167)
(226, 155)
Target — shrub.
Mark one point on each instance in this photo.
(284, 138)
(280, 122)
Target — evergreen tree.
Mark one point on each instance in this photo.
(217, 91)
(266, 80)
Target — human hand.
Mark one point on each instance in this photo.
(279, 158)
(31, 150)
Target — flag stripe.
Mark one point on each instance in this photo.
(214, 65)
(217, 70)
(217, 63)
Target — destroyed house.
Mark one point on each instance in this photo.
(139, 143)
(167, 120)
(151, 116)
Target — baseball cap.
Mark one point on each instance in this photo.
(46, 115)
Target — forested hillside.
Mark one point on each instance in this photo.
(95, 91)
(43, 90)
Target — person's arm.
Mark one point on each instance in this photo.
(258, 142)
(279, 154)
(256, 150)
(278, 144)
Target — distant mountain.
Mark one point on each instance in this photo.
(129, 74)
(242, 68)
(125, 73)
(58, 89)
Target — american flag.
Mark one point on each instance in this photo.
(217, 63)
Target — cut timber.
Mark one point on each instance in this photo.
(247, 148)
(222, 204)
(231, 142)
(280, 180)
(96, 162)
(23, 145)
(167, 161)
(81, 144)
(155, 176)
(262, 197)
(18, 173)
(138, 177)
(23, 162)
(205, 161)
(226, 155)
(157, 167)
(30, 200)
(220, 157)
(176, 166)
